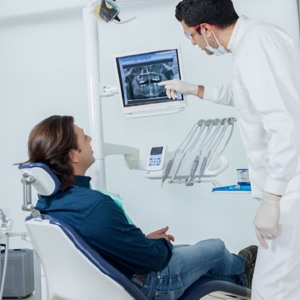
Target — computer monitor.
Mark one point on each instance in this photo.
(138, 76)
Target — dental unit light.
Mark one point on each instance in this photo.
(106, 11)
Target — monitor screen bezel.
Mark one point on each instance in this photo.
(167, 104)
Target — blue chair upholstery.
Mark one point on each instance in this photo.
(199, 289)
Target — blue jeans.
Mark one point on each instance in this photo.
(188, 263)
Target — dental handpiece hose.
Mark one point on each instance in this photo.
(3, 223)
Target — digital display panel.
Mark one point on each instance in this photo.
(139, 75)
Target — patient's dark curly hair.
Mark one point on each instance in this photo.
(50, 142)
(215, 12)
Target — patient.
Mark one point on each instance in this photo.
(151, 261)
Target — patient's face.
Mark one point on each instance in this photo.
(85, 154)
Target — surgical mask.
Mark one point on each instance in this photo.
(216, 51)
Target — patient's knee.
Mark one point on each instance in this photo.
(219, 244)
(213, 246)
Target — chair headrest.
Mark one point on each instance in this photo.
(40, 176)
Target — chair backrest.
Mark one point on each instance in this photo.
(72, 268)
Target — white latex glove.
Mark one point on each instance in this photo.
(182, 87)
(267, 219)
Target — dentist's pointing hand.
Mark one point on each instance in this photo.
(178, 86)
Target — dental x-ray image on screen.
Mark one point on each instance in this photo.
(139, 75)
(141, 81)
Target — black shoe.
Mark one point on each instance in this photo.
(249, 254)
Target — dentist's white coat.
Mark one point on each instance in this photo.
(266, 94)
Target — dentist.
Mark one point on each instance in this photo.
(265, 91)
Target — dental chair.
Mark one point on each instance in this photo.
(73, 269)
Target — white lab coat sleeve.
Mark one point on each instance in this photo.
(219, 94)
(270, 73)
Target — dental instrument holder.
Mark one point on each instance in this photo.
(243, 184)
(198, 158)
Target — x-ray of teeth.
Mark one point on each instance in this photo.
(141, 81)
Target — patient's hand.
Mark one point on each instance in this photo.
(161, 233)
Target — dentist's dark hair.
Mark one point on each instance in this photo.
(220, 13)
(50, 142)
